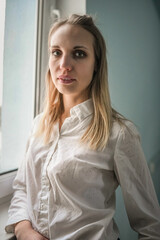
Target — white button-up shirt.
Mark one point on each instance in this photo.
(67, 191)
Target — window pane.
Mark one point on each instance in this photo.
(18, 80)
(2, 22)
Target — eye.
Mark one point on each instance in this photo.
(55, 52)
(79, 54)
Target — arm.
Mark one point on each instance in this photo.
(24, 230)
(18, 210)
(138, 191)
(19, 220)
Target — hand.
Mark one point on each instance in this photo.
(24, 231)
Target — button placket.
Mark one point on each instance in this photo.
(45, 187)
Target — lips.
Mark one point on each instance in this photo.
(66, 79)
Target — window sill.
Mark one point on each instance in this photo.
(4, 205)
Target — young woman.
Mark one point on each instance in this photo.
(80, 150)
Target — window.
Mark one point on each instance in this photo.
(17, 84)
(2, 22)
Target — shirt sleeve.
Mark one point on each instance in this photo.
(133, 174)
(18, 210)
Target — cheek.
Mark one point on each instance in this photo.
(89, 70)
(52, 67)
(52, 72)
(51, 64)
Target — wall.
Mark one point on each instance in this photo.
(132, 33)
(71, 6)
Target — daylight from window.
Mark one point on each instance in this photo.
(17, 80)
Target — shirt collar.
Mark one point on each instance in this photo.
(78, 112)
(82, 110)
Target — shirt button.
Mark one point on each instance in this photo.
(42, 205)
(43, 178)
(46, 233)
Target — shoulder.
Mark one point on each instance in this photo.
(128, 152)
(124, 130)
(37, 118)
(127, 141)
(36, 122)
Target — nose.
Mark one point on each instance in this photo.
(66, 63)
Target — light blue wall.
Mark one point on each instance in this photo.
(132, 33)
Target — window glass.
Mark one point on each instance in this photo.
(18, 81)
(2, 22)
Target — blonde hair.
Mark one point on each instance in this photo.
(98, 131)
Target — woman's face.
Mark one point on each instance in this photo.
(72, 61)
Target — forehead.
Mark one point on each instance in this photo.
(71, 34)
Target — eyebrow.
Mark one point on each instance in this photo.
(76, 47)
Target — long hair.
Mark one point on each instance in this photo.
(99, 129)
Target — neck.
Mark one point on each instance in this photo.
(69, 103)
